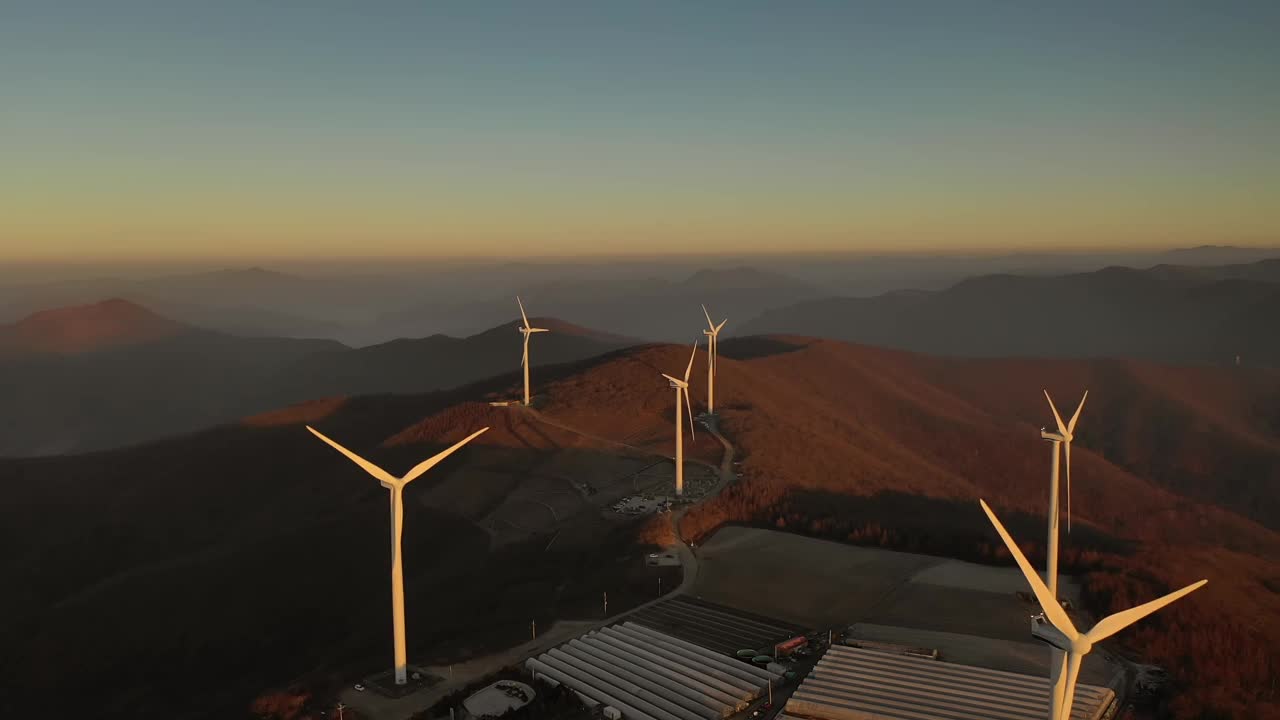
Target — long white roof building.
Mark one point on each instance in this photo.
(859, 684)
(648, 675)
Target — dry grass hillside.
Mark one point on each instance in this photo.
(1173, 473)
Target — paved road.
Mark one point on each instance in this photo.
(377, 707)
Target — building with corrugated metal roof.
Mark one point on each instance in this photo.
(860, 684)
(649, 675)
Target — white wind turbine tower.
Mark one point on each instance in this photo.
(396, 486)
(682, 388)
(1063, 634)
(713, 349)
(526, 330)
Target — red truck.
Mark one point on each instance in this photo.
(787, 647)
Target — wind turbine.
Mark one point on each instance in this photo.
(526, 330)
(1057, 660)
(1065, 432)
(1064, 436)
(713, 341)
(682, 388)
(1066, 638)
(396, 486)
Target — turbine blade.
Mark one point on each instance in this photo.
(524, 357)
(522, 315)
(1071, 426)
(1062, 429)
(709, 323)
(1113, 624)
(692, 355)
(382, 475)
(721, 325)
(534, 330)
(431, 462)
(677, 381)
(685, 391)
(1069, 689)
(1052, 610)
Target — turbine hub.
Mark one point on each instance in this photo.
(1082, 645)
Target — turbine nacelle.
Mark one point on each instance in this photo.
(1046, 633)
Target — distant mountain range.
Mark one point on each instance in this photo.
(651, 308)
(1167, 312)
(653, 299)
(115, 373)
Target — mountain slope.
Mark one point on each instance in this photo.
(1172, 313)
(153, 377)
(106, 325)
(1176, 477)
(169, 561)
(179, 579)
(435, 363)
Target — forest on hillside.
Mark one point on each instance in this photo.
(1220, 667)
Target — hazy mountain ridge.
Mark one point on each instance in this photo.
(137, 384)
(650, 308)
(1166, 312)
(363, 304)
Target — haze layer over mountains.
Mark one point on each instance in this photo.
(115, 372)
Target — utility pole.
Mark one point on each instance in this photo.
(606, 604)
(771, 690)
(533, 627)
(659, 586)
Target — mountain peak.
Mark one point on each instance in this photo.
(110, 323)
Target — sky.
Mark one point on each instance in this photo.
(174, 129)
